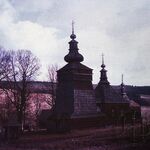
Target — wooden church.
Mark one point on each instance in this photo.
(78, 104)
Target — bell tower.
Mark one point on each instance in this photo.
(75, 95)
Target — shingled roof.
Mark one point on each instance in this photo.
(106, 94)
(75, 66)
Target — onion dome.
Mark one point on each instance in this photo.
(73, 55)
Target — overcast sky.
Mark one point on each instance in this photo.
(118, 28)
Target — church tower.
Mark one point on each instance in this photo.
(75, 96)
(103, 77)
(108, 99)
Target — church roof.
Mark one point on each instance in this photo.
(106, 94)
(72, 66)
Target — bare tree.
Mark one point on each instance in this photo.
(4, 64)
(24, 68)
(36, 104)
(4, 72)
(52, 77)
(33, 108)
(5, 110)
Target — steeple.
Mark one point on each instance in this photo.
(103, 65)
(72, 36)
(122, 79)
(73, 55)
(103, 78)
(122, 87)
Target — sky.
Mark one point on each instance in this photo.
(118, 28)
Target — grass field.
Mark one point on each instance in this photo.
(110, 138)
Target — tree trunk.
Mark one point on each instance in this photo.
(20, 118)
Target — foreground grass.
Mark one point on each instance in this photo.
(110, 138)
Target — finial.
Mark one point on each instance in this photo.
(122, 78)
(73, 27)
(72, 36)
(122, 87)
(102, 58)
(103, 65)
